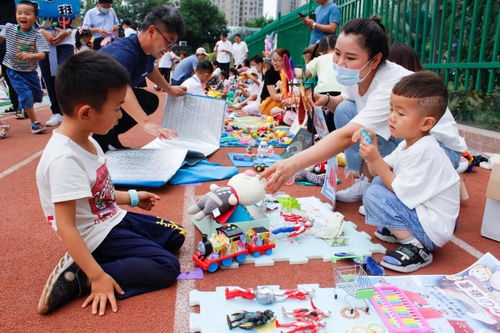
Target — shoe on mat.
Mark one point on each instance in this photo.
(21, 114)
(55, 120)
(386, 235)
(407, 258)
(63, 286)
(355, 192)
(362, 210)
(37, 128)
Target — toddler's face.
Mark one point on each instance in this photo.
(25, 17)
(406, 120)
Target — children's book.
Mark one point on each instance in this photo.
(144, 167)
(198, 121)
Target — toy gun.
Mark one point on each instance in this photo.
(365, 136)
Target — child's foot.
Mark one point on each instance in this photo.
(37, 128)
(21, 114)
(10, 110)
(63, 286)
(407, 258)
(386, 235)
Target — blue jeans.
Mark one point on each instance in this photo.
(27, 87)
(453, 155)
(384, 209)
(139, 253)
(344, 113)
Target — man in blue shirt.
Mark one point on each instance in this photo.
(137, 53)
(327, 18)
(101, 21)
(185, 69)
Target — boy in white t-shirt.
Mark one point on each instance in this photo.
(197, 83)
(415, 199)
(109, 249)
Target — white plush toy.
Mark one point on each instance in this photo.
(244, 189)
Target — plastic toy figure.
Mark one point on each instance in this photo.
(303, 314)
(289, 203)
(300, 225)
(249, 320)
(266, 295)
(263, 149)
(309, 326)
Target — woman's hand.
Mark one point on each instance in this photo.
(156, 130)
(277, 175)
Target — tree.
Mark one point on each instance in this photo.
(258, 22)
(204, 22)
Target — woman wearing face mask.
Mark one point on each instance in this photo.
(360, 66)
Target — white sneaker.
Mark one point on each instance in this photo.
(361, 210)
(355, 192)
(54, 120)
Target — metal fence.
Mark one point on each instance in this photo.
(459, 39)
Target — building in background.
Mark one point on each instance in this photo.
(286, 6)
(239, 11)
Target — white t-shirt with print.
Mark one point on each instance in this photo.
(69, 172)
(374, 106)
(223, 57)
(427, 182)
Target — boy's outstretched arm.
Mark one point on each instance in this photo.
(103, 286)
(375, 162)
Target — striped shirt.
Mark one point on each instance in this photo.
(19, 41)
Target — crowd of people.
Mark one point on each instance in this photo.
(406, 168)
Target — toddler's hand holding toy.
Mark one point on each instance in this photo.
(367, 145)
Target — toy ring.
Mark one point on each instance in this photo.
(349, 313)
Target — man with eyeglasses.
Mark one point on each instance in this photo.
(137, 53)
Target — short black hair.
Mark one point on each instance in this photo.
(327, 43)
(371, 34)
(257, 59)
(237, 35)
(204, 66)
(29, 3)
(105, 1)
(233, 71)
(86, 78)
(405, 56)
(127, 22)
(429, 88)
(223, 33)
(167, 16)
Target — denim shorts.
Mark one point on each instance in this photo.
(384, 209)
(27, 87)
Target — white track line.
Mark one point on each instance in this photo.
(20, 165)
(182, 307)
(467, 247)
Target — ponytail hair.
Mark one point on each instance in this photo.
(371, 34)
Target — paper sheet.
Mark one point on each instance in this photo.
(198, 121)
(144, 167)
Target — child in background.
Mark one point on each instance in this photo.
(196, 84)
(25, 47)
(415, 198)
(251, 104)
(83, 39)
(233, 79)
(108, 249)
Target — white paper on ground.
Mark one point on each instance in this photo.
(198, 121)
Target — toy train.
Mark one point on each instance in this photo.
(231, 243)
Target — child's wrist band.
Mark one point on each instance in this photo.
(134, 198)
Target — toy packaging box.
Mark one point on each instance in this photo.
(490, 227)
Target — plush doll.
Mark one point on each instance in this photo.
(244, 189)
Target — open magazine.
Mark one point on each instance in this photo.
(198, 121)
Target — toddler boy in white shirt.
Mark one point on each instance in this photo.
(415, 198)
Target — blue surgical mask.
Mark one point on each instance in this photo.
(347, 76)
(104, 11)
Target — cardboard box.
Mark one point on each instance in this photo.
(491, 218)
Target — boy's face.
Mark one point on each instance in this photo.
(107, 117)
(25, 16)
(204, 77)
(406, 120)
